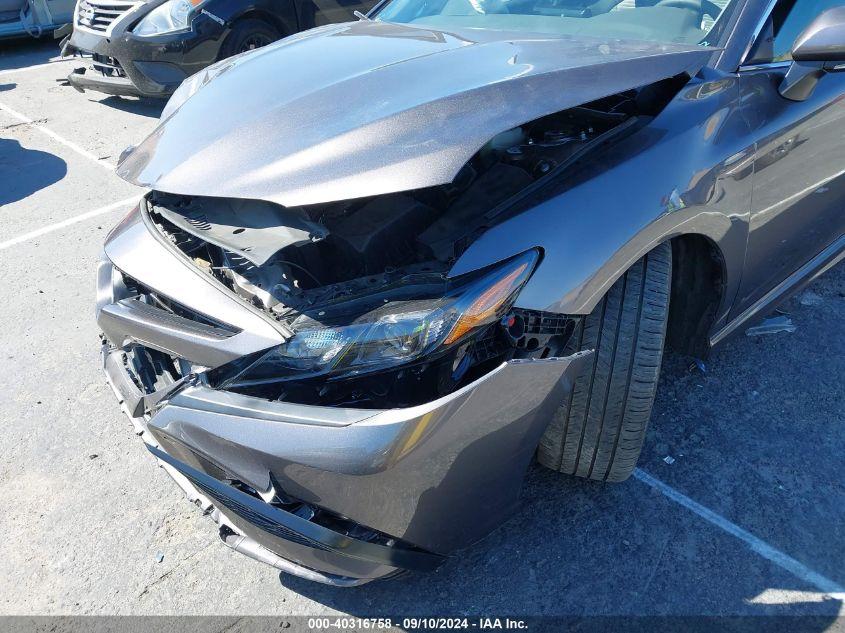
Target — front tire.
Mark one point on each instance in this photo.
(248, 34)
(598, 432)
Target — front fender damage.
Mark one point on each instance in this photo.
(354, 475)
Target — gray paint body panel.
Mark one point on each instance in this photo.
(596, 221)
(417, 104)
(425, 474)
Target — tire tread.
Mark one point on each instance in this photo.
(598, 432)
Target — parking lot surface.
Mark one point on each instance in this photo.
(738, 506)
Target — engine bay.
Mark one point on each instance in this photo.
(274, 257)
(291, 262)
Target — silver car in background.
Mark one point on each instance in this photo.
(21, 18)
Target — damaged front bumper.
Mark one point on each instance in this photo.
(333, 494)
(125, 64)
(438, 476)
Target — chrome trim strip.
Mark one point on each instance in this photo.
(132, 321)
(768, 66)
(130, 7)
(249, 547)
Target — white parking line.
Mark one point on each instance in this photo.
(60, 225)
(48, 132)
(765, 550)
(52, 62)
(792, 596)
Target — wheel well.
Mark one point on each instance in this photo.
(698, 283)
(264, 16)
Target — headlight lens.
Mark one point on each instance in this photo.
(173, 15)
(396, 332)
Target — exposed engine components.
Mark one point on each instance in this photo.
(254, 229)
(495, 185)
(278, 257)
(383, 230)
(305, 265)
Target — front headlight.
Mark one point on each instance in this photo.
(395, 333)
(173, 15)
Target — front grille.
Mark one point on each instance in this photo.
(150, 296)
(98, 15)
(108, 66)
(150, 369)
(259, 519)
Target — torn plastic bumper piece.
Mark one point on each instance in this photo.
(267, 524)
(432, 478)
(255, 528)
(116, 86)
(127, 321)
(204, 344)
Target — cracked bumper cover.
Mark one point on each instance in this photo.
(436, 477)
(153, 66)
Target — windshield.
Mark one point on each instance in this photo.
(670, 21)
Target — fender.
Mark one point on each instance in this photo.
(622, 202)
(282, 14)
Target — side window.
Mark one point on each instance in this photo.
(788, 20)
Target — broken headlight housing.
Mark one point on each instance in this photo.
(350, 338)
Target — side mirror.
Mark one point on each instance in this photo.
(820, 48)
(823, 40)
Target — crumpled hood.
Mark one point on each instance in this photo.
(368, 108)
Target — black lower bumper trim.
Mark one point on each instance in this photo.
(117, 86)
(290, 527)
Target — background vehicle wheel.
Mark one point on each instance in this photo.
(598, 433)
(246, 35)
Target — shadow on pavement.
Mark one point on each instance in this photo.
(7, 87)
(144, 107)
(23, 52)
(581, 549)
(24, 171)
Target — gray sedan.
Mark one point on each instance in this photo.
(382, 265)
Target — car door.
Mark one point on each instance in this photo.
(798, 205)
